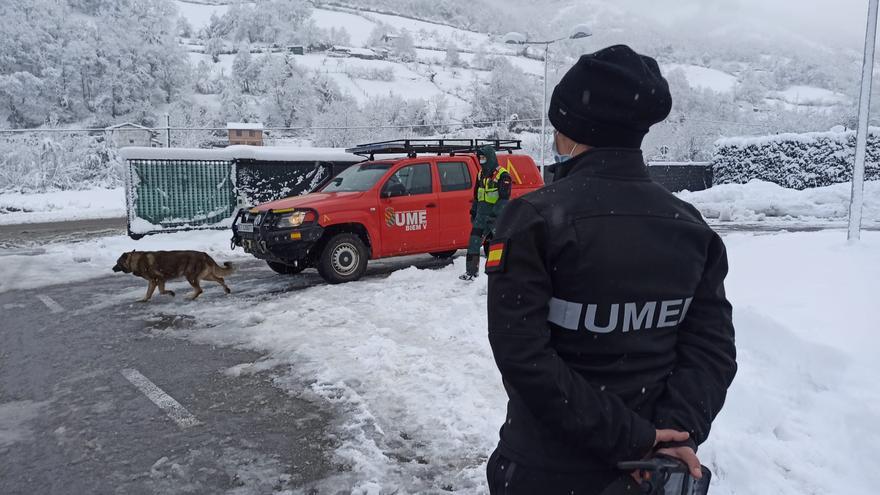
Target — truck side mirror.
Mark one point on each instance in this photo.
(393, 189)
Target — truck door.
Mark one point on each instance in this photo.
(454, 199)
(408, 205)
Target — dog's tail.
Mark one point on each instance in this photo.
(225, 271)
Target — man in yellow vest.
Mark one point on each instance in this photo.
(491, 193)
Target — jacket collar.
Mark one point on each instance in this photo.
(608, 162)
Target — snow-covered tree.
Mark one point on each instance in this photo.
(184, 28)
(289, 99)
(244, 71)
(404, 47)
(509, 91)
(453, 57)
(214, 47)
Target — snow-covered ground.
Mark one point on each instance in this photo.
(704, 77)
(811, 95)
(407, 360)
(57, 206)
(765, 202)
(199, 15)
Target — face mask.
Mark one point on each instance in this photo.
(559, 157)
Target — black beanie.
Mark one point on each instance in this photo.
(610, 99)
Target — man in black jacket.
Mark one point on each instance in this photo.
(607, 312)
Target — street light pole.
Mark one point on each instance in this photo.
(544, 109)
(858, 183)
(580, 31)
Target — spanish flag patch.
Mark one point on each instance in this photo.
(497, 253)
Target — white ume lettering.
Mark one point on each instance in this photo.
(610, 318)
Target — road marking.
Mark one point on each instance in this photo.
(165, 402)
(50, 303)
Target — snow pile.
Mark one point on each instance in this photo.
(39, 266)
(759, 201)
(794, 160)
(57, 206)
(407, 361)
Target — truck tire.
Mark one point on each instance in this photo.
(444, 255)
(285, 269)
(344, 259)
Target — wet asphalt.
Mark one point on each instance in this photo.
(71, 422)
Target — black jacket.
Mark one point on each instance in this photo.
(607, 316)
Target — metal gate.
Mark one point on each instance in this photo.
(169, 195)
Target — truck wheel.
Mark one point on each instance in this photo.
(444, 255)
(285, 269)
(344, 259)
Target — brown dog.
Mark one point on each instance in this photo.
(157, 267)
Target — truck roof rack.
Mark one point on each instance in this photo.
(413, 147)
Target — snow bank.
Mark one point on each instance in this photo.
(407, 360)
(759, 201)
(39, 266)
(57, 206)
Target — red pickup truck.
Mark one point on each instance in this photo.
(379, 208)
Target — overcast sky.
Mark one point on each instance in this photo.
(837, 22)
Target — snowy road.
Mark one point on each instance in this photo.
(388, 385)
(73, 420)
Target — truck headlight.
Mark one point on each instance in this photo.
(296, 218)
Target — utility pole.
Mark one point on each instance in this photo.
(167, 130)
(858, 182)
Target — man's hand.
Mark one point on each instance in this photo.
(663, 436)
(686, 455)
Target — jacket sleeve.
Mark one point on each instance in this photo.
(706, 364)
(505, 185)
(559, 398)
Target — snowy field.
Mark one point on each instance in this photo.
(406, 360)
(58, 206)
(704, 77)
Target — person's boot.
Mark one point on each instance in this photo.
(472, 267)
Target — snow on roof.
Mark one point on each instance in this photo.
(353, 51)
(241, 152)
(244, 125)
(127, 125)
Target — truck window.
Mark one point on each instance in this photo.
(357, 178)
(454, 176)
(415, 179)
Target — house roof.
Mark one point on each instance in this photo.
(245, 125)
(128, 125)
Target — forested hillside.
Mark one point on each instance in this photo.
(93, 63)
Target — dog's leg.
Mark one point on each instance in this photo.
(150, 289)
(219, 280)
(162, 289)
(197, 289)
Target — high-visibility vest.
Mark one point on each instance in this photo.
(487, 192)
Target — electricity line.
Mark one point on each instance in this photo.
(303, 128)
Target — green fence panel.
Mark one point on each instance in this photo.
(176, 194)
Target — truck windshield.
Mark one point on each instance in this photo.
(357, 178)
